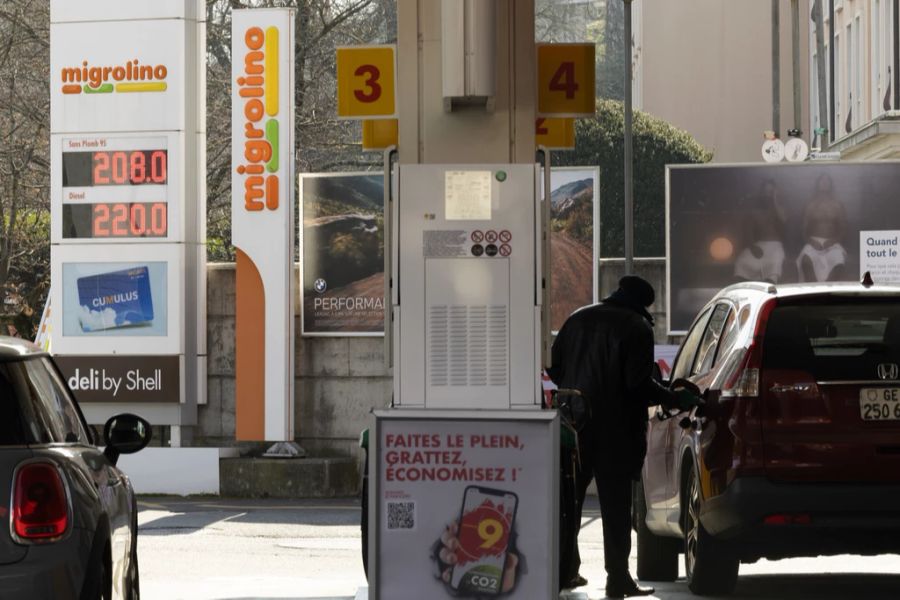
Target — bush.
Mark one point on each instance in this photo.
(600, 141)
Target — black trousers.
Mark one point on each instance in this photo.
(614, 492)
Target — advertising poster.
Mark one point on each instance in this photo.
(115, 299)
(342, 249)
(574, 239)
(465, 508)
(777, 223)
(342, 261)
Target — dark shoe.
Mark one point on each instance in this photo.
(626, 589)
(575, 582)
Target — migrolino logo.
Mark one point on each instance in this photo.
(128, 78)
(258, 88)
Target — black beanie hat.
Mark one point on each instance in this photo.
(637, 289)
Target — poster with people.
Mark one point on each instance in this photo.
(776, 223)
(464, 507)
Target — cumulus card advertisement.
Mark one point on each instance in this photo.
(118, 299)
(115, 299)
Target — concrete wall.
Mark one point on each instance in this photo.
(339, 380)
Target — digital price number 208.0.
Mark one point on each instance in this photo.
(115, 167)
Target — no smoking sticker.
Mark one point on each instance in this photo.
(477, 236)
(505, 250)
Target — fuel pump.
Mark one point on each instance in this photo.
(463, 468)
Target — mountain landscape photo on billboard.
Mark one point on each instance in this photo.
(571, 242)
(343, 254)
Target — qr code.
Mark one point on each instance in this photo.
(401, 515)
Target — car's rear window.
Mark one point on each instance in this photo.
(34, 407)
(834, 339)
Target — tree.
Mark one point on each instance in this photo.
(599, 141)
(24, 158)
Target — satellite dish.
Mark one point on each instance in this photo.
(796, 150)
(773, 150)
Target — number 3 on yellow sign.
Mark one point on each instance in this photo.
(366, 82)
(565, 80)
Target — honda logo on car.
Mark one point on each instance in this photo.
(258, 89)
(95, 380)
(888, 371)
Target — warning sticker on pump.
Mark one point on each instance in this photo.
(439, 243)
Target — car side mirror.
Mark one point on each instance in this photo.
(125, 434)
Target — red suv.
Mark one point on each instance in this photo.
(796, 451)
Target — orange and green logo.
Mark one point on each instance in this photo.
(131, 77)
(257, 87)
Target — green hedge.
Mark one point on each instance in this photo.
(599, 141)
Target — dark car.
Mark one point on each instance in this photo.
(796, 451)
(68, 516)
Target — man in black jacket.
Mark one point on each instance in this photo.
(606, 352)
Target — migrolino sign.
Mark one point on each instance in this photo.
(262, 221)
(258, 90)
(122, 378)
(128, 78)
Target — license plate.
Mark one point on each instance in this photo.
(879, 404)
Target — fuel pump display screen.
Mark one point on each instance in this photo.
(119, 167)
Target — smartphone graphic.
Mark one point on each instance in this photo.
(485, 523)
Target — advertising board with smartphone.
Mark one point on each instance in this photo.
(464, 507)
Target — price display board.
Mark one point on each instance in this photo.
(117, 188)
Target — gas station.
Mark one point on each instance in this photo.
(465, 112)
(456, 107)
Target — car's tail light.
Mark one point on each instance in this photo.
(40, 503)
(744, 381)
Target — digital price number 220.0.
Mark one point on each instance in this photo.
(116, 220)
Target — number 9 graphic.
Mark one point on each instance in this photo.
(491, 532)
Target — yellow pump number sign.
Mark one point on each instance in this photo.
(366, 78)
(566, 80)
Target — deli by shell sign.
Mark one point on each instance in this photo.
(262, 221)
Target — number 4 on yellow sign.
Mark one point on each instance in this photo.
(565, 80)
(366, 82)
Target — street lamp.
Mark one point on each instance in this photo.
(629, 177)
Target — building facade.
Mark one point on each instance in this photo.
(861, 79)
(706, 66)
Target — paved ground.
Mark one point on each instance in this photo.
(212, 549)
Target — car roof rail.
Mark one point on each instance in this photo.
(760, 286)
